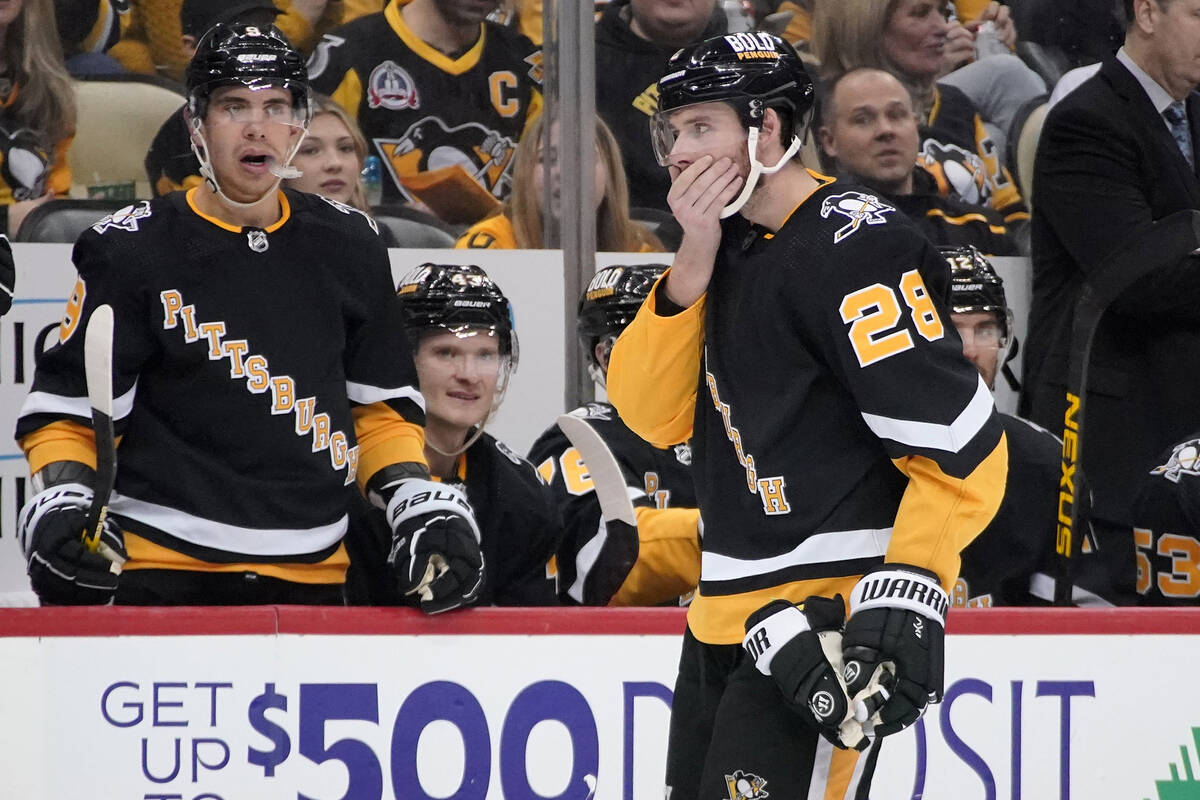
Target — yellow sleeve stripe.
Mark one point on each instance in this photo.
(668, 562)
(384, 437)
(59, 441)
(940, 515)
(349, 93)
(654, 370)
(963, 219)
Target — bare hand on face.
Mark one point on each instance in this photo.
(698, 193)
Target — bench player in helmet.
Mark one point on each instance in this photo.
(1011, 563)
(607, 561)
(260, 371)
(842, 445)
(1166, 528)
(465, 348)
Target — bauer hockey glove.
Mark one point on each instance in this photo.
(893, 646)
(62, 570)
(435, 551)
(800, 646)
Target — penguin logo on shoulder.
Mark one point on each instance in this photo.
(126, 219)
(858, 207)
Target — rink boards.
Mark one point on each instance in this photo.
(367, 704)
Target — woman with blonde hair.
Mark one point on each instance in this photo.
(37, 110)
(519, 225)
(331, 156)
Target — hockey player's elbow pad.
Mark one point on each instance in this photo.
(894, 646)
(799, 646)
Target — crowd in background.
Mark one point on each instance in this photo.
(438, 103)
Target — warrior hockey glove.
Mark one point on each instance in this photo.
(893, 646)
(800, 646)
(61, 568)
(435, 545)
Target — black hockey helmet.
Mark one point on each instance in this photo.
(610, 302)
(974, 284)
(457, 298)
(254, 56)
(752, 71)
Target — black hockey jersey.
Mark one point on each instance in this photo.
(423, 111)
(518, 522)
(658, 565)
(951, 221)
(257, 373)
(835, 421)
(1166, 531)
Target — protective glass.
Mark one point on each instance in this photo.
(704, 132)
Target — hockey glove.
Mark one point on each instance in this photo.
(435, 552)
(61, 568)
(800, 646)
(893, 646)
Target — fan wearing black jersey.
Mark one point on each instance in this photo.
(260, 367)
(842, 445)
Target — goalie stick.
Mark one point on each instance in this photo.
(1167, 240)
(608, 482)
(97, 369)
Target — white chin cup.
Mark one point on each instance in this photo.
(756, 169)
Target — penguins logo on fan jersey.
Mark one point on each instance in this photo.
(1184, 460)
(391, 87)
(858, 207)
(126, 219)
(428, 145)
(957, 171)
(746, 786)
(25, 163)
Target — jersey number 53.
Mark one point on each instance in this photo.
(875, 318)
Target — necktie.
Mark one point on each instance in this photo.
(1176, 117)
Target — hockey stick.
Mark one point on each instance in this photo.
(608, 482)
(1167, 241)
(97, 370)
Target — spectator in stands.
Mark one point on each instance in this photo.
(87, 29)
(37, 111)
(604, 560)
(1166, 528)
(870, 132)
(466, 349)
(1115, 156)
(170, 164)
(909, 39)
(634, 39)
(441, 95)
(150, 41)
(520, 224)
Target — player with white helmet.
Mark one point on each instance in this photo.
(843, 447)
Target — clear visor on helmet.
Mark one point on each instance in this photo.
(236, 108)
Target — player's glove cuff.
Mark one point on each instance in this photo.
(899, 586)
(62, 570)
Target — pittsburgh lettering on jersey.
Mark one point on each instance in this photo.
(769, 490)
(647, 101)
(254, 369)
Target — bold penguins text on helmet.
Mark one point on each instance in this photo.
(610, 302)
(249, 55)
(457, 298)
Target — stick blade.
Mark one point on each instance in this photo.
(602, 466)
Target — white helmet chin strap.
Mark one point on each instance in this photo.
(756, 169)
(281, 172)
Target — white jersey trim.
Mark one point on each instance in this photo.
(951, 438)
(364, 393)
(230, 538)
(817, 549)
(1042, 587)
(46, 403)
(585, 559)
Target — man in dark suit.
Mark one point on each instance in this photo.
(1115, 155)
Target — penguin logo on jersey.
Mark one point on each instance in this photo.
(1184, 460)
(957, 171)
(484, 154)
(126, 219)
(391, 87)
(25, 163)
(745, 786)
(858, 207)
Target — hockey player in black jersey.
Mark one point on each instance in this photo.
(1166, 528)
(607, 561)
(465, 350)
(260, 369)
(843, 447)
(1011, 563)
